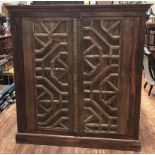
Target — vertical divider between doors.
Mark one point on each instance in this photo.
(75, 81)
(80, 76)
(70, 74)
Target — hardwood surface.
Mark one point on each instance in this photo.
(8, 131)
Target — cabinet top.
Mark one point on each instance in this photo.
(34, 10)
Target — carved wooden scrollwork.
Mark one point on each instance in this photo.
(101, 57)
(51, 73)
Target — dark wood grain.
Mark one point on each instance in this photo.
(89, 142)
(29, 71)
(138, 79)
(16, 29)
(76, 94)
(66, 8)
(81, 68)
(76, 10)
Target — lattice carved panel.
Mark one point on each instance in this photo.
(101, 63)
(51, 54)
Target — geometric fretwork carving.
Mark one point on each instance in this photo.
(101, 56)
(51, 73)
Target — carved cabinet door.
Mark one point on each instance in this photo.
(47, 45)
(76, 70)
(104, 75)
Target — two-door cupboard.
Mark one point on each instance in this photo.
(78, 74)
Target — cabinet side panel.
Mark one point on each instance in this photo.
(124, 101)
(136, 74)
(16, 30)
(29, 71)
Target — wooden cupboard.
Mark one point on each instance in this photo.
(78, 74)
